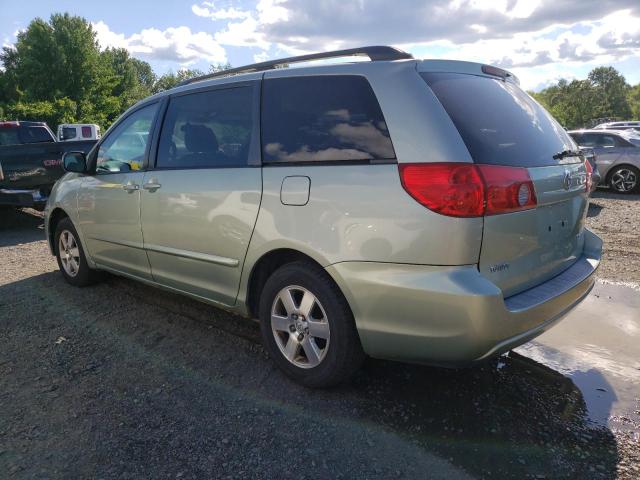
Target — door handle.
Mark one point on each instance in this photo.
(151, 185)
(130, 187)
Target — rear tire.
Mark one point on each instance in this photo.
(624, 179)
(307, 326)
(70, 256)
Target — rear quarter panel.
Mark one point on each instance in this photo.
(358, 213)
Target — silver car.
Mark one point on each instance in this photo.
(619, 126)
(617, 155)
(422, 211)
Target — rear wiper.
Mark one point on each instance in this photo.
(567, 153)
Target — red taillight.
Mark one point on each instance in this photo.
(508, 189)
(589, 181)
(454, 189)
(468, 190)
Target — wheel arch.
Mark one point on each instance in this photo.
(56, 215)
(266, 265)
(617, 166)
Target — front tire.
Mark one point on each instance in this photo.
(307, 326)
(624, 179)
(70, 256)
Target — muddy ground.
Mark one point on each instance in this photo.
(121, 380)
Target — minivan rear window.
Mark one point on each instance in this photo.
(322, 118)
(499, 123)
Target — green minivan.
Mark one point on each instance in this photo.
(421, 211)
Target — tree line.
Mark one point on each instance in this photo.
(603, 95)
(57, 72)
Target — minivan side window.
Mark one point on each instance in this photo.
(605, 141)
(207, 129)
(123, 150)
(322, 118)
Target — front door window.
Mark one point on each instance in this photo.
(124, 149)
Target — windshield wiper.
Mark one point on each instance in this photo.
(567, 153)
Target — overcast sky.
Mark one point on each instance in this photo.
(539, 40)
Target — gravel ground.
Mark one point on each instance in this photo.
(124, 381)
(616, 219)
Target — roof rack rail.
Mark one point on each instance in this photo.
(375, 54)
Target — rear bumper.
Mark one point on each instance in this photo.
(453, 315)
(22, 198)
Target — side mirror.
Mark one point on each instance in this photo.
(74, 162)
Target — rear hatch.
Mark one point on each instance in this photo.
(501, 125)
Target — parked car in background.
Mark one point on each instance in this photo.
(424, 211)
(617, 156)
(31, 162)
(78, 131)
(619, 126)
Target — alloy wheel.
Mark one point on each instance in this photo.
(69, 253)
(300, 326)
(624, 180)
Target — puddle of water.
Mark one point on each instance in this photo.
(599, 395)
(597, 346)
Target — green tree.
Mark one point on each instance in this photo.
(603, 94)
(56, 72)
(571, 103)
(54, 64)
(634, 102)
(170, 79)
(128, 80)
(62, 110)
(610, 90)
(55, 59)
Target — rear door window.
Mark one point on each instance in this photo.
(322, 118)
(499, 123)
(207, 129)
(606, 141)
(589, 140)
(35, 135)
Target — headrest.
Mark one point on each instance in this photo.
(199, 139)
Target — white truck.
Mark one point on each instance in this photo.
(78, 131)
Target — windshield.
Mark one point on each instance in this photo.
(499, 123)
